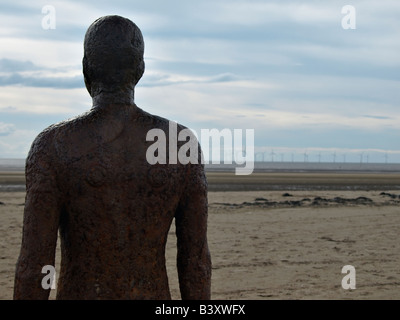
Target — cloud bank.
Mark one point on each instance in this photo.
(286, 69)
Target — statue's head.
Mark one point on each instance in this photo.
(113, 55)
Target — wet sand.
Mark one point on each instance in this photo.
(277, 243)
(228, 181)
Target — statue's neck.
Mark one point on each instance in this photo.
(118, 97)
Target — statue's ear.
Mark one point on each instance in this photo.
(139, 72)
(85, 76)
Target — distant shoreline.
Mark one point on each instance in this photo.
(18, 165)
(305, 167)
(267, 181)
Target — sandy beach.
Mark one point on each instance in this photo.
(271, 242)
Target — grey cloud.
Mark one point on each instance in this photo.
(224, 77)
(377, 117)
(165, 80)
(10, 65)
(42, 82)
(12, 74)
(6, 128)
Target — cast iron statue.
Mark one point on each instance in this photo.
(89, 179)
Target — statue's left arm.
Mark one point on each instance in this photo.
(40, 223)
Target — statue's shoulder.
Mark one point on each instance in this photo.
(43, 147)
(56, 137)
(185, 141)
(44, 141)
(158, 122)
(151, 120)
(62, 127)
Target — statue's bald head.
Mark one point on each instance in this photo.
(113, 55)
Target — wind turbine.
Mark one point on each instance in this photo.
(334, 157)
(272, 155)
(361, 157)
(386, 157)
(305, 156)
(319, 157)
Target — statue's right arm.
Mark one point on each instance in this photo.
(193, 256)
(40, 223)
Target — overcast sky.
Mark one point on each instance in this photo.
(287, 69)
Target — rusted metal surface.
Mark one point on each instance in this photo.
(89, 179)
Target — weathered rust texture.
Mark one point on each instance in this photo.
(89, 179)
